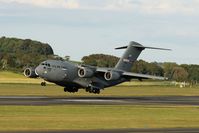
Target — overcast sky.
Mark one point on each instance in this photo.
(82, 27)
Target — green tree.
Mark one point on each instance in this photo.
(17, 53)
(180, 74)
(168, 69)
(140, 67)
(100, 60)
(193, 71)
(155, 69)
(144, 67)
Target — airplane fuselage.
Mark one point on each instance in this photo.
(73, 76)
(65, 74)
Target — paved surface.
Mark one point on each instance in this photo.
(169, 100)
(169, 130)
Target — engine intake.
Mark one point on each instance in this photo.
(111, 76)
(30, 73)
(85, 72)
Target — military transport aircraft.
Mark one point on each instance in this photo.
(93, 79)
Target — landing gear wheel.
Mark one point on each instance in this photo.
(98, 91)
(65, 90)
(93, 90)
(71, 90)
(43, 83)
(87, 89)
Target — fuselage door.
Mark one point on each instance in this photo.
(65, 73)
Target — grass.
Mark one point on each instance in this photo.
(78, 117)
(53, 90)
(71, 117)
(11, 77)
(8, 74)
(17, 84)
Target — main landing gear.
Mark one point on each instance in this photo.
(71, 90)
(93, 90)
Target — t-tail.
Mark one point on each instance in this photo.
(131, 54)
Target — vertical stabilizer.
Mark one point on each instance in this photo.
(131, 54)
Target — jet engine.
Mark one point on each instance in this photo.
(85, 72)
(111, 76)
(30, 73)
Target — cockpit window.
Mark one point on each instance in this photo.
(45, 64)
(63, 67)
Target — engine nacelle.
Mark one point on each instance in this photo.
(30, 73)
(85, 72)
(111, 76)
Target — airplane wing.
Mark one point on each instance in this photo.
(133, 75)
(129, 74)
(96, 69)
(142, 76)
(103, 69)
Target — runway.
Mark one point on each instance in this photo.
(149, 100)
(163, 130)
(152, 100)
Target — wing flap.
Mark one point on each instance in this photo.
(142, 76)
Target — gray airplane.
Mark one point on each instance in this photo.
(93, 79)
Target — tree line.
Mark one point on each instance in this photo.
(16, 54)
(171, 70)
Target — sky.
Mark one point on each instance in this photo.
(77, 28)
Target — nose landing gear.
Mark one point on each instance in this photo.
(43, 83)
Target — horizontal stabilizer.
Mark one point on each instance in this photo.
(131, 54)
(124, 47)
(137, 45)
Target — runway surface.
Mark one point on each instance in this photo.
(152, 100)
(163, 130)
